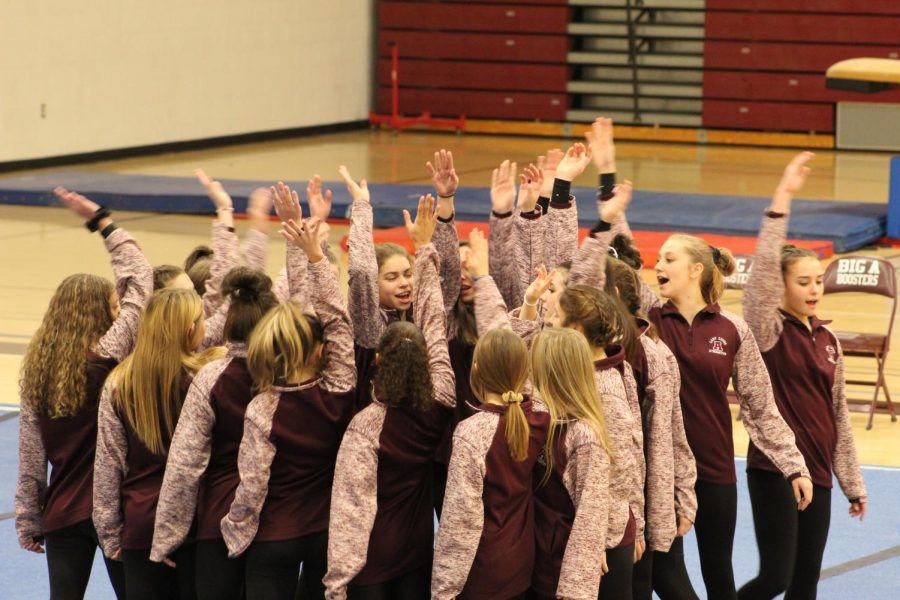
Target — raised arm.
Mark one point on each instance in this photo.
(187, 461)
(362, 267)
(445, 239)
(562, 231)
(354, 501)
(339, 374)
(490, 310)
(32, 482)
(846, 463)
(255, 457)
(500, 235)
(110, 468)
(589, 266)
(287, 207)
(256, 244)
(588, 485)
(224, 240)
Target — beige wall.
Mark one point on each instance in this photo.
(123, 73)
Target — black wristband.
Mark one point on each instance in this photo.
(107, 231)
(544, 204)
(561, 190)
(600, 227)
(447, 220)
(498, 215)
(774, 215)
(93, 224)
(607, 186)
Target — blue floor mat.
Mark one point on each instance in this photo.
(848, 225)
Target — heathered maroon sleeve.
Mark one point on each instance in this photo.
(186, 463)
(685, 463)
(529, 247)
(110, 468)
(429, 313)
(255, 457)
(462, 519)
(363, 276)
(225, 257)
(586, 478)
(763, 422)
(490, 310)
(446, 245)
(134, 285)
(561, 240)
(500, 248)
(765, 286)
(32, 481)
(354, 500)
(215, 327)
(255, 250)
(339, 374)
(846, 464)
(637, 449)
(589, 265)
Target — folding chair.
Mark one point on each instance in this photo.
(869, 275)
(737, 281)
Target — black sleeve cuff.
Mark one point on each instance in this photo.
(535, 214)
(448, 220)
(601, 227)
(561, 192)
(774, 215)
(544, 203)
(505, 215)
(607, 186)
(107, 231)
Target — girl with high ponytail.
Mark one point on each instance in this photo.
(381, 529)
(485, 543)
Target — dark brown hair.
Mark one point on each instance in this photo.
(627, 252)
(163, 274)
(403, 379)
(200, 272)
(251, 297)
(624, 283)
(791, 254)
(197, 254)
(601, 316)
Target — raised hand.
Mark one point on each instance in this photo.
(548, 163)
(358, 191)
(421, 230)
(287, 203)
(530, 182)
(78, 204)
(616, 206)
(443, 174)
(305, 235)
(542, 282)
(792, 181)
(220, 198)
(600, 140)
(477, 261)
(319, 204)
(573, 164)
(503, 188)
(259, 207)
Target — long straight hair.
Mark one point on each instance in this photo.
(148, 382)
(562, 371)
(500, 366)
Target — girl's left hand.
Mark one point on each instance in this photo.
(858, 509)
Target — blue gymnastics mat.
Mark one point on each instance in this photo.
(848, 225)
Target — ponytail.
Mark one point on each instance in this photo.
(517, 430)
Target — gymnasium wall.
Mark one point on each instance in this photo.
(93, 75)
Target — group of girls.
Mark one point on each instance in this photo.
(213, 431)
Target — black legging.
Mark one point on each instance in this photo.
(439, 475)
(791, 543)
(148, 580)
(415, 585)
(616, 584)
(70, 557)
(716, 519)
(273, 568)
(665, 574)
(218, 577)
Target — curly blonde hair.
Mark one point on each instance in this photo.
(54, 371)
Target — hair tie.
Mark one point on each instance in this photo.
(612, 252)
(716, 253)
(512, 397)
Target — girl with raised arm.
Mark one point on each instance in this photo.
(139, 409)
(805, 362)
(201, 470)
(572, 495)
(88, 328)
(304, 374)
(381, 533)
(485, 542)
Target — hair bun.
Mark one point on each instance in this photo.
(244, 284)
(724, 261)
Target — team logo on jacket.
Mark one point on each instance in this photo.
(717, 346)
(832, 354)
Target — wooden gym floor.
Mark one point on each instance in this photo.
(40, 246)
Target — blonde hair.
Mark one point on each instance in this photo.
(281, 344)
(500, 366)
(386, 250)
(148, 382)
(718, 263)
(54, 369)
(562, 371)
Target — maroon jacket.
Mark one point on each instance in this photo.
(68, 444)
(488, 512)
(807, 370)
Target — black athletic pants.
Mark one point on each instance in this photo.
(791, 543)
(415, 585)
(70, 557)
(218, 577)
(716, 519)
(440, 487)
(665, 574)
(148, 580)
(616, 584)
(273, 568)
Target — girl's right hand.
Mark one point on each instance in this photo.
(305, 235)
(792, 181)
(220, 198)
(287, 203)
(359, 192)
(616, 206)
(36, 547)
(542, 282)
(503, 188)
(531, 181)
(422, 229)
(78, 204)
